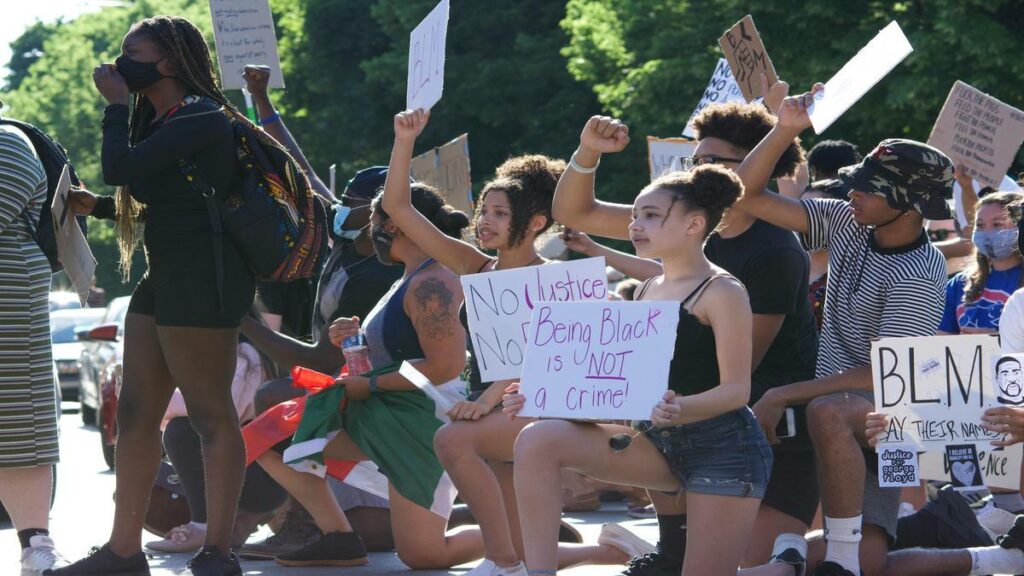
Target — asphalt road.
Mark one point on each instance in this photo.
(84, 509)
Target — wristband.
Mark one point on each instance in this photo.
(575, 166)
(275, 117)
(373, 384)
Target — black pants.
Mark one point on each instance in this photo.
(260, 493)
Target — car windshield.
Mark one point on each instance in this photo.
(65, 323)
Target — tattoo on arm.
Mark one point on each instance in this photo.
(434, 303)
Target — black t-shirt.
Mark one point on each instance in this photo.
(774, 268)
(293, 302)
(368, 281)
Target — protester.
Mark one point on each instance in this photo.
(177, 332)
(885, 280)
(28, 393)
(828, 156)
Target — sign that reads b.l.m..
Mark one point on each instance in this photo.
(499, 305)
(935, 389)
(598, 360)
(426, 59)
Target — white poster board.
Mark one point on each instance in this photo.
(426, 59)
(243, 31)
(876, 59)
(665, 155)
(73, 250)
(721, 88)
(1000, 468)
(598, 360)
(935, 389)
(499, 306)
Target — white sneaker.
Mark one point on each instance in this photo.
(994, 520)
(39, 556)
(488, 568)
(617, 536)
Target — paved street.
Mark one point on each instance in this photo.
(83, 512)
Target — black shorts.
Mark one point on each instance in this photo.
(793, 487)
(180, 286)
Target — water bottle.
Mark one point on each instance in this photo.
(357, 355)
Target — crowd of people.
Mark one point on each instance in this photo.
(768, 421)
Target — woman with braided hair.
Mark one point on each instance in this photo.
(181, 330)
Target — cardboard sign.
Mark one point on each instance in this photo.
(747, 57)
(721, 88)
(1000, 467)
(898, 466)
(447, 169)
(860, 74)
(73, 249)
(665, 155)
(598, 360)
(935, 389)
(243, 31)
(499, 306)
(980, 132)
(426, 59)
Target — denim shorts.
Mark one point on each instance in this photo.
(727, 455)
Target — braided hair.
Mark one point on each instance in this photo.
(178, 40)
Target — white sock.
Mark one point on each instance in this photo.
(843, 538)
(197, 525)
(786, 541)
(996, 560)
(1011, 502)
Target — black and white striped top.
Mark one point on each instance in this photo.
(872, 292)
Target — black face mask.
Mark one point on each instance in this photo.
(382, 245)
(138, 75)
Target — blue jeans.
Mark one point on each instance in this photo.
(726, 455)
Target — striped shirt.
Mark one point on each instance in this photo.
(872, 292)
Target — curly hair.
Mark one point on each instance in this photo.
(743, 126)
(977, 272)
(529, 183)
(709, 188)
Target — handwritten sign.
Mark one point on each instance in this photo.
(243, 31)
(72, 246)
(447, 169)
(665, 155)
(887, 49)
(1000, 467)
(721, 88)
(598, 360)
(980, 132)
(426, 59)
(499, 306)
(898, 466)
(935, 389)
(747, 57)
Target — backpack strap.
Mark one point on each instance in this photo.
(200, 185)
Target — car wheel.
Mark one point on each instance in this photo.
(108, 452)
(88, 415)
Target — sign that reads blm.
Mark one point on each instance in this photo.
(980, 132)
(666, 155)
(935, 389)
(426, 59)
(598, 360)
(747, 57)
(447, 169)
(499, 306)
(243, 31)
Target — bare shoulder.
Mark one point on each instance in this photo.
(724, 294)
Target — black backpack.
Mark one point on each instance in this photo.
(54, 157)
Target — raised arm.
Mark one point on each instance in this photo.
(575, 204)
(256, 80)
(458, 256)
(630, 265)
(757, 168)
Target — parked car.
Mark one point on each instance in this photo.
(65, 326)
(100, 374)
(64, 300)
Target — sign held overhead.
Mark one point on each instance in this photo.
(747, 57)
(426, 59)
(243, 31)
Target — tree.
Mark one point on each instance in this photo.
(26, 49)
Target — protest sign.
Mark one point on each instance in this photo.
(898, 466)
(747, 57)
(1000, 467)
(665, 155)
(447, 169)
(935, 389)
(73, 250)
(980, 132)
(598, 360)
(887, 49)
(499, 306)
(721, 89)
(426, 59)
(243, 31)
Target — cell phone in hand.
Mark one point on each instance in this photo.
(787, 425)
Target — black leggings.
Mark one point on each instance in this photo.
(260, 493)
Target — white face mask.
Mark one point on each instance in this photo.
(341, 213)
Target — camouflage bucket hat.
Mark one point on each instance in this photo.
(908, 174)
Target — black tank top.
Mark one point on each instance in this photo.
(694, 367)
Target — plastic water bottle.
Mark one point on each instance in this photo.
(357, 355)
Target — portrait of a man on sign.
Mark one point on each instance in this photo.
(1008, 379)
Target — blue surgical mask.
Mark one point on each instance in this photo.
(341, 213)
(996, 244)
